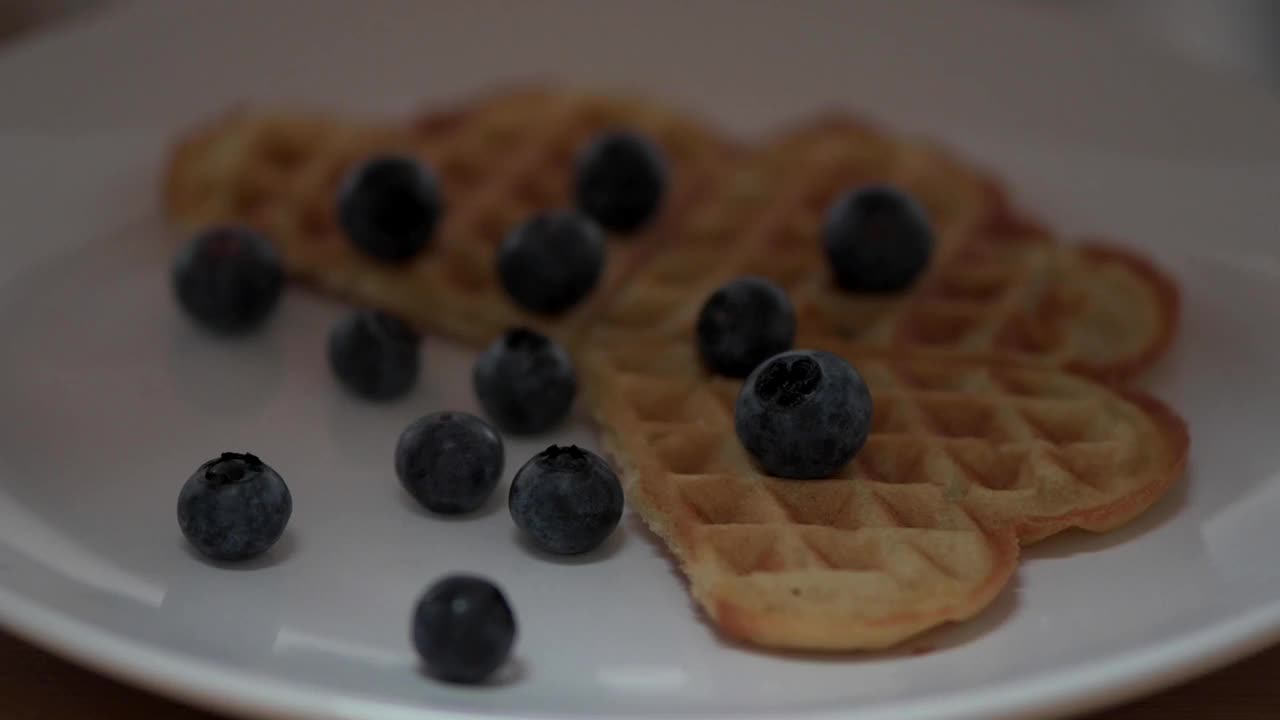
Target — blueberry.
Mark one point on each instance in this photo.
(744, 323)
(463, 629)
(877, 239)
(553, 261)
(374, 355)
(450, 462)
(566, 499)
(389, 206)
(803, 414)
(619, 181)
(525, 381)
(228, 278)
(234, 507)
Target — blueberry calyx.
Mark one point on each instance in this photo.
(787, 383)
(525, 339)
(565, 458)
(231, 468)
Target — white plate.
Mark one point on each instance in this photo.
(111, 398)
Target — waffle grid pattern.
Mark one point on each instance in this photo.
(498, 162)
(998, 285)
(853, 549)
(975, 444)
(959, 453)
(1034, 448)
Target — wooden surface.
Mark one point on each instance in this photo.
(37, 686)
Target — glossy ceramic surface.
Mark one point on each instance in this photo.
(112, 398)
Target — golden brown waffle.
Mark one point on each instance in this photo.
(814, 565)
(998, 286)
(499, 159)
(921, 527)
(979, 440)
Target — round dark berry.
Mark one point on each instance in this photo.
(553, 261)
(566, 499)
(744, 323)
(389, 206)
(450, 462)
(463, 629)
(525, 382)
(374, 355)
(620, 180)
(228, 278)
(234, 507)
(803, 414)
(877, 239)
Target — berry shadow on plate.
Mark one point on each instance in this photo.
(494, 503)
(610, 547)
(1075, 541)
(284, 549)
(956, 635)
(514, 671)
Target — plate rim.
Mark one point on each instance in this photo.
(1079, 688)
(1084, 686)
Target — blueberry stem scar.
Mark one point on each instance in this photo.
(786, 384)
(227, 471)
